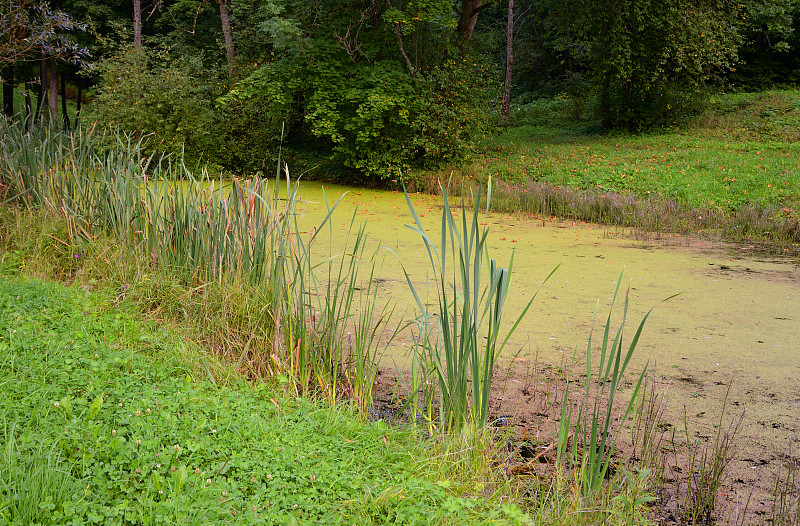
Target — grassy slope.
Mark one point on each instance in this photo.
(165, 445)
(739, 163)
(744, 149)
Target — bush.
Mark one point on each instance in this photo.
(150, 94)
(382, 121)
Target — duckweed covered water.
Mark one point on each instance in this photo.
(736, 320)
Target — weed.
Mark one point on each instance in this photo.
(37, 483)
(705, 468)
(94, 398)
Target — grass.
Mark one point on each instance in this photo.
(733, 172)
(82, 372)
(94, 399)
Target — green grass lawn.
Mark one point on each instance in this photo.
(104, 423)
(745, 149)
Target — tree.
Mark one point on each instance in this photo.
(509, 62)
(468, 17)
(32, 29)
(137, 23)
(648, 54)
(227, 34)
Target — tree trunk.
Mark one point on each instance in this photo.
(469, 17)
(228, 35)
(509, 63)
(607, 120)
(398, 31)
(28, 105)
(137, 23)
(8, 92)
(64, 102)
(40, 95)
(78, 110)
(52, 96)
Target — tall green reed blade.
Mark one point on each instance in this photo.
(455, 352)
(591, 429)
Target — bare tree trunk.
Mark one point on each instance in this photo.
(398, 31)
(607, 120)
(509, 63)
(78, 110)
(227, 33)
(28, 105)
(8, 91)
(137, 23)
(52, 96)
(40, 95)
(64, 101)
(469, 17)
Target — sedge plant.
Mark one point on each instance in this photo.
(458, 342)
(242, 234)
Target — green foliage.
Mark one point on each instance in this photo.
(381, 121)
(351, 91)
(457, 344)
(132, 437)
(649, 55)
(155, 96)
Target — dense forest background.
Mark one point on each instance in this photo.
(372, 88)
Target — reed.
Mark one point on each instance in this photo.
(586, 438)
(243, 234)
(457, 344)
(704, 469)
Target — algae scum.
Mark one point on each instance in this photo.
(735, 320)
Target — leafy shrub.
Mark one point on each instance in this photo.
(150, 93)
(382, 121)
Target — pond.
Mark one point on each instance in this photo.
(735, 321)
